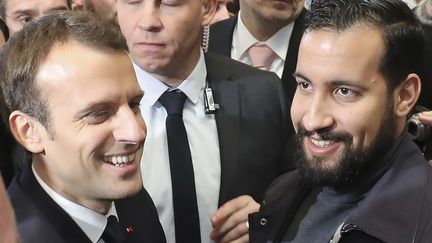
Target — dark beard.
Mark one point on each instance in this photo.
(352, 162)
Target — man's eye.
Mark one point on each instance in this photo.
(345, 92)
(304, 86)
(25, 19)
(135, 106)
(170, 2)
(97, 117)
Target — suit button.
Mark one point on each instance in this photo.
(263, 221)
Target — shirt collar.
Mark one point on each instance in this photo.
(192, 86)
(92, 223)
(243, 39)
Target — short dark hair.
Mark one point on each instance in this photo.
(401, 31)
(21, 57)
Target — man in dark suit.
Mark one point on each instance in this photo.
(74, 106)
(235, 118)
(276, 24)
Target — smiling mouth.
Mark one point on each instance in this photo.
(120, 160)
(322, 143)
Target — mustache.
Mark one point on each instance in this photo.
(325, 134)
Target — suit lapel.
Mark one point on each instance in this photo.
(61, 223)
(224, 32)
(228, 95)
(139, 219)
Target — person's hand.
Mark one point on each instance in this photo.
(426, 117)
(230, 222)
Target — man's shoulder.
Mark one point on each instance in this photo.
(402, 196)
(226, 25)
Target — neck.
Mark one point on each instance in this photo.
(261, 29)
(173, 75)
(100, 206)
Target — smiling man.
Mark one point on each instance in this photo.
(74, 103)
(360, 178)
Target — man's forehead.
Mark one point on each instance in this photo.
(35, 5)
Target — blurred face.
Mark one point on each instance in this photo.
(20, 12)
(2, 39)
(92, 148)
(164, 36)
(8, 231)
(106, 8)
(221, 11)
(342, 110)
(277, 12)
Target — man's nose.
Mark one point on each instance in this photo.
(319, 115)
(130, 127)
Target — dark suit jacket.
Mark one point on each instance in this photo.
(425, 98)
(41, 220)
(221, 34)
(253, 127)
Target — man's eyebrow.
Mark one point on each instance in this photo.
(59, 8)
(23, 12)
(96, 105)
(138, 95)
(299, 75)
(336, 82)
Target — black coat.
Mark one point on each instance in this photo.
(40, 219)
(397, 209)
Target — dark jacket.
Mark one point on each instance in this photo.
(396, 209)
(40, 219)
(253, 127)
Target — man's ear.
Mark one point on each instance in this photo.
(210, 7)
(406, 95)
(77, 5)
(27, 131)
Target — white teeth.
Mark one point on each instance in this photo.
(322, 143)
(119, 160)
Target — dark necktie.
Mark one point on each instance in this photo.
(113, 232)
(186, 219)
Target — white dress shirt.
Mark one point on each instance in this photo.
(203, 142)
(91, 223)
(279, 43)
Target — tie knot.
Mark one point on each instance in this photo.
(173, 102)
(113, 232)
(261, 56)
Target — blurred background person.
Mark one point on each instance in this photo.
(222, 11)
(8, 230)
(17, 13)
(104, 8)
(264, 34)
